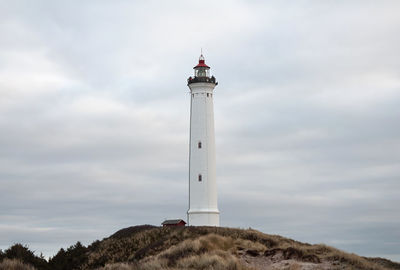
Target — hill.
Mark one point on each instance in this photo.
(148, 247)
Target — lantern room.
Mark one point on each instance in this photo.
(201, 70)
(202, 73)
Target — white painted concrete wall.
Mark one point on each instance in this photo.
(203, 205)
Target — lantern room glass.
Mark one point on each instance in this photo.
(202, 72)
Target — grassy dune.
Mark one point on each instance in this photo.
(142, 248)
(151, 248)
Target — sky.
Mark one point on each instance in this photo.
(94, 118)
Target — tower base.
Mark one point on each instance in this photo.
(203, 218)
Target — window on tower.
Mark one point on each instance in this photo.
(199, 145)
(208, 94)
(200, 178)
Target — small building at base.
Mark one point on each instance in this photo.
(173, 223)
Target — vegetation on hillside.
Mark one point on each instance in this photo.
(13, 257)
(147, 247)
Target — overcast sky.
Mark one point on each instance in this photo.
(94, 118)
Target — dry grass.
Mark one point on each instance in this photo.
(8, 264)
(213, 260)
(249, 245)
(353, 261)
(206, 252)
(117, 266)
(295, 266)
(213, 248)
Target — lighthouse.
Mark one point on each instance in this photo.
(203, 205)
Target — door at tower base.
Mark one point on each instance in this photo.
(203, 205)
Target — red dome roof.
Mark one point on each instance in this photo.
(202, 62)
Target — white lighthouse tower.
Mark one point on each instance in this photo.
(203, 205)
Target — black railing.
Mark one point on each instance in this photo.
(202, 79)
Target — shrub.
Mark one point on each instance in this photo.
(72, 258)
(22, 253)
